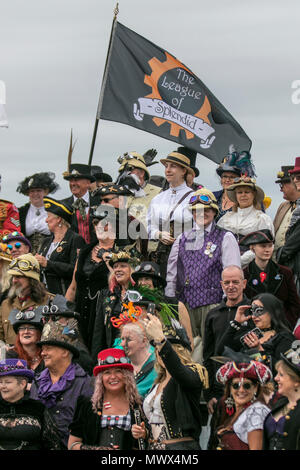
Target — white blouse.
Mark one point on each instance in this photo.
(250, 420)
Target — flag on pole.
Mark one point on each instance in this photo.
(146, 87)
(3, 117)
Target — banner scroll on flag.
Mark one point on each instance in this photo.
(146, 87)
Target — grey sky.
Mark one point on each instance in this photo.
(52, 60)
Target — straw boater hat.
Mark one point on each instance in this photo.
(177, 156)
(43, 180)
(245, 181)
(111, 358)
(203, 199)
(25, 265)
(59, 208)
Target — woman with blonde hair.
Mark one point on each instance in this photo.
(104, 421)
(172, 407)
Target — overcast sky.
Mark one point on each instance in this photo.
(52, 60)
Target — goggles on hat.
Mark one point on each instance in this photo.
(147, 268)
(246, 179)
(257, 310)
(126, 157)
(109, 360)
(27, 315)
(23, 265)
(202, 198)
(52, 309)
(132, 296)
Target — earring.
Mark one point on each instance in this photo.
(229, 404)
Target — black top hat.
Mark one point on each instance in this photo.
(191, 154)
(261, 236)
(292, 357)
(149, 269)
(78, 171)
(63, 336)
(60, 208)
(31, 316)
(99, 175)
(59, 307)
(283, 175)
(43, 180)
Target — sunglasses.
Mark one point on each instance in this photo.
(17, 245)
(113, 360)
(244, 385)
(206, 200)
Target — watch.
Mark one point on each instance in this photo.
(160, 343)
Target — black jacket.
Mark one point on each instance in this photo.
(180, 399)
(216, 322)
(60, 266)
(23, 211)
(290, 439)
(289, 253)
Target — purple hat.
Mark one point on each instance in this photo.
(16, 367)
(16, 236)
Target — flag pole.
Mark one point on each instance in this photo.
(116, 11)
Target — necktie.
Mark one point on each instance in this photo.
(80, 204)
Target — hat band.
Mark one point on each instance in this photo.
(50, 202)
(179, 157)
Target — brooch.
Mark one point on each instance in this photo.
(209, 249)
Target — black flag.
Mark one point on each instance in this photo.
(146, 87)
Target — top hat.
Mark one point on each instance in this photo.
(296, 168)
(25, 265)
(292, 357)
(149, 269)
(31, 316)
(60, 208)
(261, 236)
(58, 307)
(63, 336)
(16, 236)
(16, 367)
(111, 358)
(245, 181)
(78, 171)
(43, 180)
(283, 175)
(203, 199)
(99, 175)
(179, 158)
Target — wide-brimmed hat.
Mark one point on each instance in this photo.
(63, 336)
(16, 237)
(60, 208)
(180, 159)
(16, 367)
(44, 180)
(78, 171)
(134, 160)
(245, 181)
(111, 358)
(5, 253)
(123, 257)
(149, 269)
(283, 175)
(292, 357)
(99, 175)
(116, 189)
(59, 306)
(31, 316)
(260, 236)
(25, 265)
(203, 199)
(296, 168)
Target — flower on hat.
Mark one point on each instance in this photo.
(280, 174)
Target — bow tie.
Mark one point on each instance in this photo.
(80, 204)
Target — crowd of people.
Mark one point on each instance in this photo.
(151, 313)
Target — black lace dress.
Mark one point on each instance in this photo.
(26, 425)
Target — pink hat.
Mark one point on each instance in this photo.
(113, 357)
(296, 168)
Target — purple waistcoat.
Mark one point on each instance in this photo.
(198, 274)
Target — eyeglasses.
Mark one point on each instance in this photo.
(109, 360)
(226, 177)
(244, 385)
(29, 328)
(202, 198)
(23, 265)
(17, 245)
(257, 310)
(296, 177)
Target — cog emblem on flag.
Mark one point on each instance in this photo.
(176, 99)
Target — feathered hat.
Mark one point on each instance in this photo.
(44, 180)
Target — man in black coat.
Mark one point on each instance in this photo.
(217, 320)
